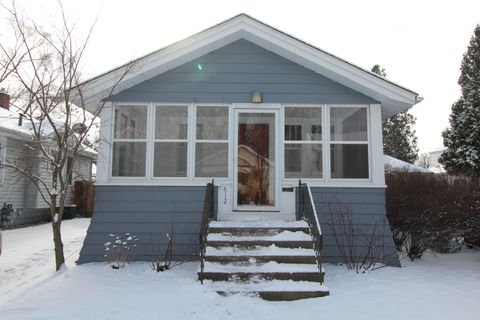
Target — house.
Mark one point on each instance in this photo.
(16, 190)
(433, 157)
(252, 108)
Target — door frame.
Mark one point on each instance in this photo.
(256, 108)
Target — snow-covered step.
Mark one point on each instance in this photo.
(281, 236)
(271, 290)
(257, 227)
(260, 254)
(262, 258)
(271, 266)
(284, 239)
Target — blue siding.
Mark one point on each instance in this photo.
(368, 215)
(232, 73)
(149, 212)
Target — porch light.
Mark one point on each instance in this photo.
(256, 97)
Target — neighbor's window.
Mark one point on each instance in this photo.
(211, 142)
(171, 141)
(3, 149)
(129, 141)
(303, 142)
(348, 143)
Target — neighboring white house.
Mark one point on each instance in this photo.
(15, 188)
(433, 157)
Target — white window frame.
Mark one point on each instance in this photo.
(113, 139)
(330, 142)
(321, 142)
(153, 139)
(227, 141)
(3, 156)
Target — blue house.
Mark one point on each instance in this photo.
(255, 110)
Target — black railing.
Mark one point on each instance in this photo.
(208, 213)
(306, 211)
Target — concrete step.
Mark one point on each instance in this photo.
(272, 260)
(257, 276)
(275, 290)
(249, 258)
(257, 228)
(251, 244)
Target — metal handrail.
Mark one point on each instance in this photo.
(207, 215)
(306, 211)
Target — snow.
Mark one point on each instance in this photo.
(436, 287)
(281, 236)
(394, 164)
(259, 224)
(260, 268)
(274, 285)
(271, 250)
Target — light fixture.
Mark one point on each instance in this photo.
(256, 97)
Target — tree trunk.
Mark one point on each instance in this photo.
(57, 240)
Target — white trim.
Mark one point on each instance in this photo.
(113, 139)
(376, 165)
(207, 141)
(330, 142)
(254, 108)
(376, 145)
(323, 107)
(394, 98)
(105, 147)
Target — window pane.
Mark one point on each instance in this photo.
(349, 161)
(303, 124)
(303, 160)
(212, 123)
(128, 159)
(211, 160)
(170, 159)
(171, 122)
(348, 124)
(130, 122)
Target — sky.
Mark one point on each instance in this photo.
(419, 43)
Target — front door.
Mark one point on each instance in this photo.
(256, 155)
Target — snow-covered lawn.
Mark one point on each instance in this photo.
(442, 287)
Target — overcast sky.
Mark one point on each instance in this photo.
(419, 43)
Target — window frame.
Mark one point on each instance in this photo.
(152, 140)
(113, 140)
(3, 157)
(366, 142)
(320, 142)
(195, 140)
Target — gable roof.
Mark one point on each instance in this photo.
(394, 98)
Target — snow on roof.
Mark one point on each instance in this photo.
(394, 164)
(9, 123)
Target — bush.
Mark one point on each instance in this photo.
(428, 211)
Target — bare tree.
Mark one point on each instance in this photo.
(46, 65)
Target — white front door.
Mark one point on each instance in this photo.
(256, 154)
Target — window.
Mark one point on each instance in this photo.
(211, 142)
(3, 151)
(69, 171)
(348, 143)
(171, 141)
(303, 142)
(129, 141)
